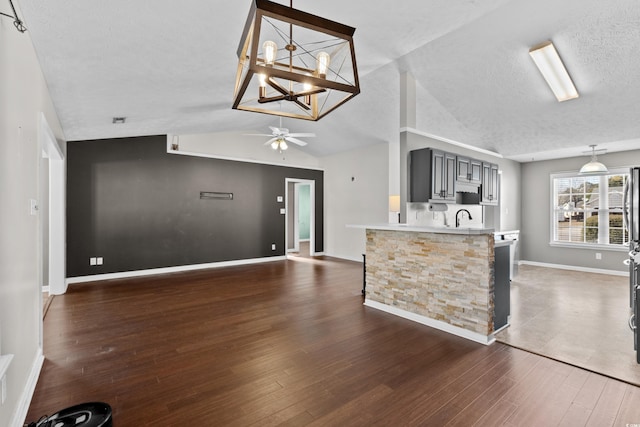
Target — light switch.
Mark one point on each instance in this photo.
(280, 199)
(92, 261)
(99, 260)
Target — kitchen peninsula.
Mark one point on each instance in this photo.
(441, 277)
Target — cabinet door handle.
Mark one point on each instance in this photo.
(632, 323)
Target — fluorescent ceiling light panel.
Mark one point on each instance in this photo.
(553, 70)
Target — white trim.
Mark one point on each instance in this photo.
(20, 414)
(437, 324)
(346, 258)
(164, 270)
(452, 142)
(46, 289)
(52, 150)
(296, 216)
(592, 246)
(555, 211)
(234, 159)
(57, 207)
(312, 211)
(5, 361)
(574, 268)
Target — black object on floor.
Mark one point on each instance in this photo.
(92, 414)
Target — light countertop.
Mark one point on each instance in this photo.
(424, 229)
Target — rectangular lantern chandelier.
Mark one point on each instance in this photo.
(294, 64)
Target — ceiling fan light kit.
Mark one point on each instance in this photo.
(294, 64)
(280, 136)
(553, 70)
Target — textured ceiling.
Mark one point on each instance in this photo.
(169, 67)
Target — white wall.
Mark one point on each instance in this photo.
(356, 192)
(23, 94)
(363, 200)
(536, 217)
(247, 148)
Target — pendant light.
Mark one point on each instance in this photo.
(294, 64)
(594, 166)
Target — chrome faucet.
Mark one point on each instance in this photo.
(458, 219)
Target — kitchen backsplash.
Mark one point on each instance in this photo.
(421, 214)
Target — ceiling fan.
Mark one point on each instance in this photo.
(280, 136)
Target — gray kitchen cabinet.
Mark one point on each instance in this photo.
(431, 176)
(490, 187)
(468, 170)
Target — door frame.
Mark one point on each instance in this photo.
(293, 216)
(57, 221)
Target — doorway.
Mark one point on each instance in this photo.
(52, 212)
(300, 217)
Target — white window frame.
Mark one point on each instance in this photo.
(603, 232)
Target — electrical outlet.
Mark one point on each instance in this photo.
(99, 260)
(93, 261)
(280, 199)
(283, 211)
(598, 255)
(273, 246)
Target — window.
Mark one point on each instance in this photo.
(587, 210)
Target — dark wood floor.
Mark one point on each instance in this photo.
(290, 343)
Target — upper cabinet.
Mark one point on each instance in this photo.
(432, 176)
(490, 179)
(436, 175)
(468, 170)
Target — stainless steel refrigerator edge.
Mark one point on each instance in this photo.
(632, 221)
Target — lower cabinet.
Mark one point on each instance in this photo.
(502, 287)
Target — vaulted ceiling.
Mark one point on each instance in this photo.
(169, 67)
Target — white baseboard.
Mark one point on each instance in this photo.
(575, 268)
(139, 273)
(346, 258)
(19, 415)
(437, 324)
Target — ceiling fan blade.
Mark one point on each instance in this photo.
(275, 130)
(295, 141)
(257, 134)
(303, 135)
(271, 140)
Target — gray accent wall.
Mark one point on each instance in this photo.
(535, 233)
(138, 207)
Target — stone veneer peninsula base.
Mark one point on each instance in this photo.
(442, 278)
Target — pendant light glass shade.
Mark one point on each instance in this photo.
(594, 166)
